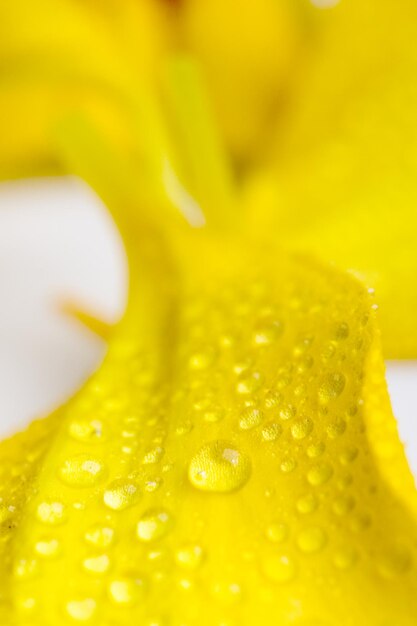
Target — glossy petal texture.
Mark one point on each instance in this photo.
(235, 460)
(247, 470)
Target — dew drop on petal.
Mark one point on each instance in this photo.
(277, 532)
(219, 467)
(121, 494)
(82, 471)
(81, 610)
(311, 540)
(301, 428)
(97, 564)
(250, 418)
(47, 548)
(331, 387)
(319, 474)
(154, 524)
(126, 591)
(279, 568)
(99, 536)
(189, 557)
(52, 513)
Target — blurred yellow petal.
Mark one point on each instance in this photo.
(248, 51)
(64, 56)
(344, 180)
(235, 460)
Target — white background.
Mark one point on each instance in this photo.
(58, 244)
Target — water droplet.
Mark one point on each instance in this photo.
(81, 610)
(272, 399)
(341, 331)
(154, 524)
(331, 387)
(303, 345)
(311, 540)
(301, 428)
(100, 536)
(319, 474)
(336, 428)
(185, 584)
(202, 360)
(52, 513)
(82, 471)
(271, 431)
(184, 428)
(343, 505)
(26, 604)
(189, 557)
(279, 568)
(126, 591)
(287, 412)
(394, 562)
(227, 593)
(277, 532)
(48, 548)
(25, 568)
(213, 414)
(316, 450)
(305, 364)
(267, 333)
(344, 558)
(153, 456)
(218, 466)
(121, 494)
(97, 564)
(242, 366)
(249, 383)
(86, 430)
(288, 465)
(307, 504)
(153, 484)
(250, 419)
(348, 455)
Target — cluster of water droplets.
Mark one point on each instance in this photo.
(237, 476)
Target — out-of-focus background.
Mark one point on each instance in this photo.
(58, 246)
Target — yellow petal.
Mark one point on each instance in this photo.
(232, 474)
(64, 56)
(344, 180)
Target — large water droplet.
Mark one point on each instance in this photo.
(218, 466)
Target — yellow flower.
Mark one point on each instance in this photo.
(235, 460)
